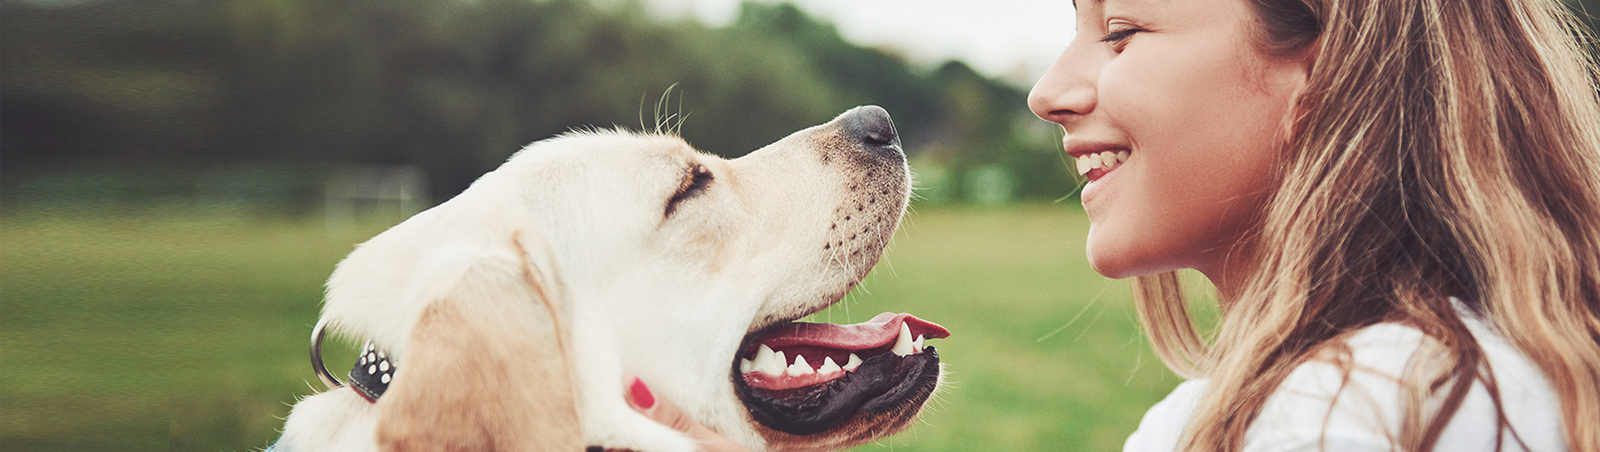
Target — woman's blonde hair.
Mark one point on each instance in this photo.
(1442, 148)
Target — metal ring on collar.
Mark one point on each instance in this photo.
(316, 356)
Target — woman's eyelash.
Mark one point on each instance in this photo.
(1120, 35)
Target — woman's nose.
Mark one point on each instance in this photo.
(1067, 89)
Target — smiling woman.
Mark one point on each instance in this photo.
(1176, 93)
(1396, 202)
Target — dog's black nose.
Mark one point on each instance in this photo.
(871, 125)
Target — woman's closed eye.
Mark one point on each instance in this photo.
(1118, 38)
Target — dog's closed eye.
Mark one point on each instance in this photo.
(694, 183)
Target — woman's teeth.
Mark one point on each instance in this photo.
(1108, 160)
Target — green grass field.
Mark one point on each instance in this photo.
(188, 330)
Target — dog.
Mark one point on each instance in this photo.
(507, 317)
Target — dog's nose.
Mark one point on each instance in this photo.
(871, 125)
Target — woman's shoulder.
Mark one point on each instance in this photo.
(1353, 398)
(1163, 424)
(1348, 399)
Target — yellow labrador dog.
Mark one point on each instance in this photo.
(507, 317)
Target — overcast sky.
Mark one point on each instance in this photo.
(1012, 39)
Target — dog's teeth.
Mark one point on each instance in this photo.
(763, 355)
(778, 364)
(800, 367)
(902, 344)
(852, 363)
(829, 367)
(917, 344)
(768, 361)
(745, 366)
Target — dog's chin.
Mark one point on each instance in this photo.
(884, 388)
(838, 407)
(886, 416)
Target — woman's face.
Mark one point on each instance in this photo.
(1178, 90)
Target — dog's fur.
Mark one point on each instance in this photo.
(514, 310)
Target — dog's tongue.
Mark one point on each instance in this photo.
(879, 331)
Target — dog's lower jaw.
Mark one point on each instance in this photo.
(889, 394)
(858, 429)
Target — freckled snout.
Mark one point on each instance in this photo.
(877, 188)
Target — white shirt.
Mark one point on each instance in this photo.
(1367, 412)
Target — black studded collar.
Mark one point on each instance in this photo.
(369, 377)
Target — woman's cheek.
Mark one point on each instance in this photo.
(1131, 99)
(1115, 82)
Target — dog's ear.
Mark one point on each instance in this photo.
(485, 367)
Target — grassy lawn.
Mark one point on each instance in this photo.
(188, 331)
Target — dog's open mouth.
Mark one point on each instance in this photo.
(805, 378)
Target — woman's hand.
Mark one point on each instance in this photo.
(642, 400)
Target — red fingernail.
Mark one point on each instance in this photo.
(641, 395)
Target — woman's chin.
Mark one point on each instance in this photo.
(1108, 255)
(1112, 272)
(1121, 262)
(1109, 264)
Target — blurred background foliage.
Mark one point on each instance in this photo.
(133, 101)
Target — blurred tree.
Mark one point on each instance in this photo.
(167, 88)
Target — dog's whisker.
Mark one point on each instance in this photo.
(642, 127)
